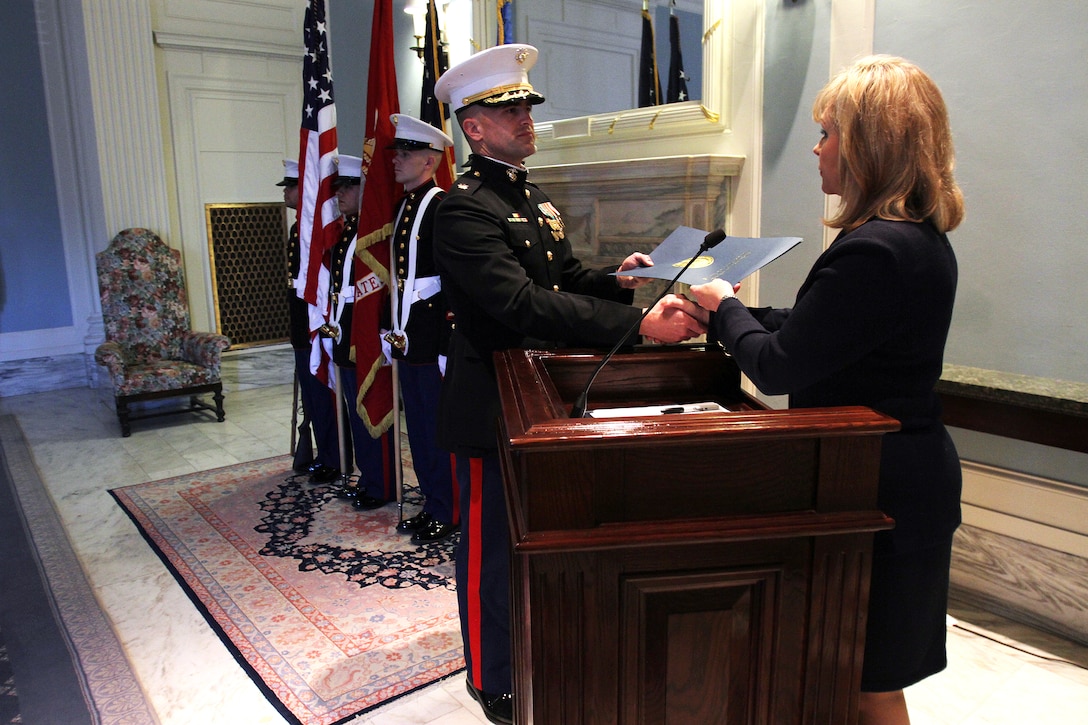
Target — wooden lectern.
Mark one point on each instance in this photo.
(693, 568)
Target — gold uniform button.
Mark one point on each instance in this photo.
(555, 288)
(550, 256)
(528, 243)
(540, 221)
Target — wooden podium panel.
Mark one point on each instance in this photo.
(683, 568)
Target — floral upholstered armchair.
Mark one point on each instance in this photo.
(150, 351)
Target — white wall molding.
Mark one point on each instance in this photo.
(1023, 549)
(1032, 509)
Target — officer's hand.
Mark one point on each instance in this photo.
(673, 319)
(636, 260)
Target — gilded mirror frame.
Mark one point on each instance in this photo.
(707, 115)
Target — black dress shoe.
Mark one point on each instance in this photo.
(323, 474)
(347, 493)
(497, 708)
(435, 530)
(415, 523)
(366, 502)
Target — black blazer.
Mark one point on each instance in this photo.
(869, 328)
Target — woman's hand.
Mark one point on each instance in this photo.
(711, 294)
(636, 260)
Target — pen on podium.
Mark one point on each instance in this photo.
(697, 408)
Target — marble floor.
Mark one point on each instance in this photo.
(1000, 673)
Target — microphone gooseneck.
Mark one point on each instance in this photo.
(578, 410)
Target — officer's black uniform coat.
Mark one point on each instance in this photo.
(339, 266)
(298, 309)
(428, 328)
(512, 281)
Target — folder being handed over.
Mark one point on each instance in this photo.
(732, 260)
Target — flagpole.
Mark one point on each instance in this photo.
(294, 412)
(394, 322)
(335, 370)
(397, 466)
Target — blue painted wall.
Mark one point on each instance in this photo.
(33, 278)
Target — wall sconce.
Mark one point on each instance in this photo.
(418, 10)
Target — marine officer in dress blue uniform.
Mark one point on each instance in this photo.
(419, 326)
(512, 281)
(318, 401)
(373, 456)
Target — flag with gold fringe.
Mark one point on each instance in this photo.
(649, 85)
(435, 62)
(380, 193)
(505, 15)
(677, 89)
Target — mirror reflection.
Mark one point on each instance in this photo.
(591, 53)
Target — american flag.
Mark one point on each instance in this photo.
(318, 215)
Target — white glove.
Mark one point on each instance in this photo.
(442, 365)
(387, 348)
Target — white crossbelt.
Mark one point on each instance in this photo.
(346, 294)
(414, 289)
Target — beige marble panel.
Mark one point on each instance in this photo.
(614, 208)
(1025, 582)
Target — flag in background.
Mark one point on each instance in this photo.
(318, 215)
(678, 80)
(380, 193)
(435, 63)
(649, 86)
(506, 21)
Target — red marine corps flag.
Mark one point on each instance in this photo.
(318, 215)
(380, 194)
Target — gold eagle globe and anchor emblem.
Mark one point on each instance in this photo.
(701, 261)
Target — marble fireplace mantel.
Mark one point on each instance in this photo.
(612, 208)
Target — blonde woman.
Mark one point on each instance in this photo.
(869, 327)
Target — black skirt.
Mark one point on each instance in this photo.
(908, 603)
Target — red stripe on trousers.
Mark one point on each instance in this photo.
(475, 556)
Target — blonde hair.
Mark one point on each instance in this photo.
(895, 145)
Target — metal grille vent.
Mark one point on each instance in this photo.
(249, 271)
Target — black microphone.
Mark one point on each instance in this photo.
(578, 410)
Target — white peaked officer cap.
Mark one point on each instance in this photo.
(290, 173)
(413, 134)
(493, 77)
(349, 170)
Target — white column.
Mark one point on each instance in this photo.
(121, 61)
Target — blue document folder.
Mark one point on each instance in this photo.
(732, 260)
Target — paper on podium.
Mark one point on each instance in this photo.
(732, 260)
(667, 409)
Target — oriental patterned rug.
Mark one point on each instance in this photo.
(329, 609)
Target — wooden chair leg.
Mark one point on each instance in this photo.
(220, 415)
(122, 417)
